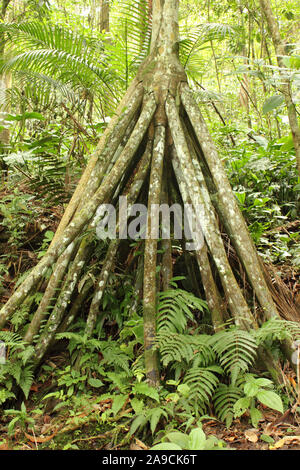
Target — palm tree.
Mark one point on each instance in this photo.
(51, 59)
(157, 140)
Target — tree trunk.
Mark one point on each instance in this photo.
(162, 126)
(280, 50)
(104, 16)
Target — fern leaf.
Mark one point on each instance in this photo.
(236, 351)
(202, 383)
(224, 399)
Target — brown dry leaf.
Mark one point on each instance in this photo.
(231, 438)
(293, 382)
(46, 419)
(285, 440)
(41, 439)
(141, 444)
(251, 435)
(134, 446)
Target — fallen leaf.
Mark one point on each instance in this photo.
(46, 419)
(285, 440)
(133, 446)
(251, 435)
(230, 439)
(141, 444)
(293, 382)
(41, 439)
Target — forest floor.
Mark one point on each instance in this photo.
(85, 431)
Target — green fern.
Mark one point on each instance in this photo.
(20, 316)
(202, 383)
(114, 356)
(224, 399)
(175, 307)
(5, 395)
(151, 416)
(12, 341)
(176, 347)
(277, 329)
(195, 40)
(26, 379)
(236, 351)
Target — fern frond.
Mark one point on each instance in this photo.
(53, 53)
(224, 399)
(115, 357)
(26, 380)
(11, 340)
(27, 354)
(278, 329)
(176, 347)
(236, 351)
(202, 383)
(175, 307)
(5, 395)
(199, 38)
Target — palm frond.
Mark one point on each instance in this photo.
(196, 40)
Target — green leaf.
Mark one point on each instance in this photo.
(183, 389)
(21, 117)
(139, 421)
(241, 197)
(255, 416)
(241, 406)
(95, 382)
(11, 425)
(287, 143)
(145, 389)
(251, 389)
(137, 405)
(264, 382)
(118, 403)
(197, 439)
(267, 438)
(178, 438)
(166, 446)
(155, 417)
(272, 103)
(270, 399)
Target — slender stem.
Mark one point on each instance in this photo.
(63, 300)
(50, 293)
(150, 257)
